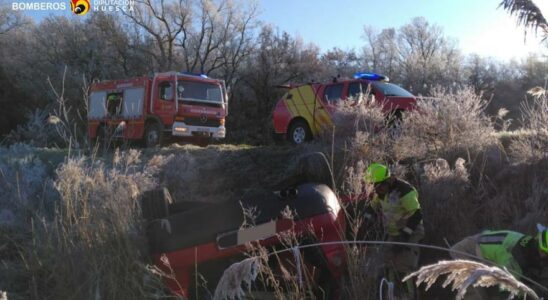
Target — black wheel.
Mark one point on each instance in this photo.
(153, 135)
(155, 204)
(202, 141)
(299, 132)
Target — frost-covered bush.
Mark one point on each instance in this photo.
(446, 125)
(38, 130)
(533, 146)
(361, 133)
(23, 183)
(94, 246)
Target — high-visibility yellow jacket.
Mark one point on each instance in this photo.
(397, 206)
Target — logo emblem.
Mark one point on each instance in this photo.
(80, 7)
(524, 241)
(203, 118)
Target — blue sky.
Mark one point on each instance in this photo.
(478, 25)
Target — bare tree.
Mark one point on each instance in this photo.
(388, 54)
(416, 55)
(164, 22)
(204, 36)
(277, 59)
(10, 19)
(381, 52)
(427, 58)
(341, 62)
(371, 51)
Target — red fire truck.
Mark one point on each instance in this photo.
(170, 104)
(305, 110)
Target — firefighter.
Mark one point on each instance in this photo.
(519, 253)
(113, 104)
(396, 201)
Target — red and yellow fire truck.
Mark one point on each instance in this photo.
(305, 110)
(170, 104)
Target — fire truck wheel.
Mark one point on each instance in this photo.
(153, 135)
(299, 132)
(203, 141)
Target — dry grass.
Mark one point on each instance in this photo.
(463, 274)
(532, 147)
(92, 245)
(285, 276)
(359, 132)
(95, 242)
(447, 198)
(365, 269)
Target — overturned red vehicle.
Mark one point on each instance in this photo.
(205, 239)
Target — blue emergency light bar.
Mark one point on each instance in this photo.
(370, 76)
(194, 74)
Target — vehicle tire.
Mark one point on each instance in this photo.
(202, 141)
(153, 135)
(155, 204)
(299, 132)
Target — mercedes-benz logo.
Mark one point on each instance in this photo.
(203, 118)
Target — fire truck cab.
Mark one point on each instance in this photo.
(170, 104)
(305, 110)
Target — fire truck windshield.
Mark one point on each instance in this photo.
(199, 91)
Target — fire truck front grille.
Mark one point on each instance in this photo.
(202, 121)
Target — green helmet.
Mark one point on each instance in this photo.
(542, 237)
(376, 173)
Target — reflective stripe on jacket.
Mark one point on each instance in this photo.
(497, 246)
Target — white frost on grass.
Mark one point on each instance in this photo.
(230, 285)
